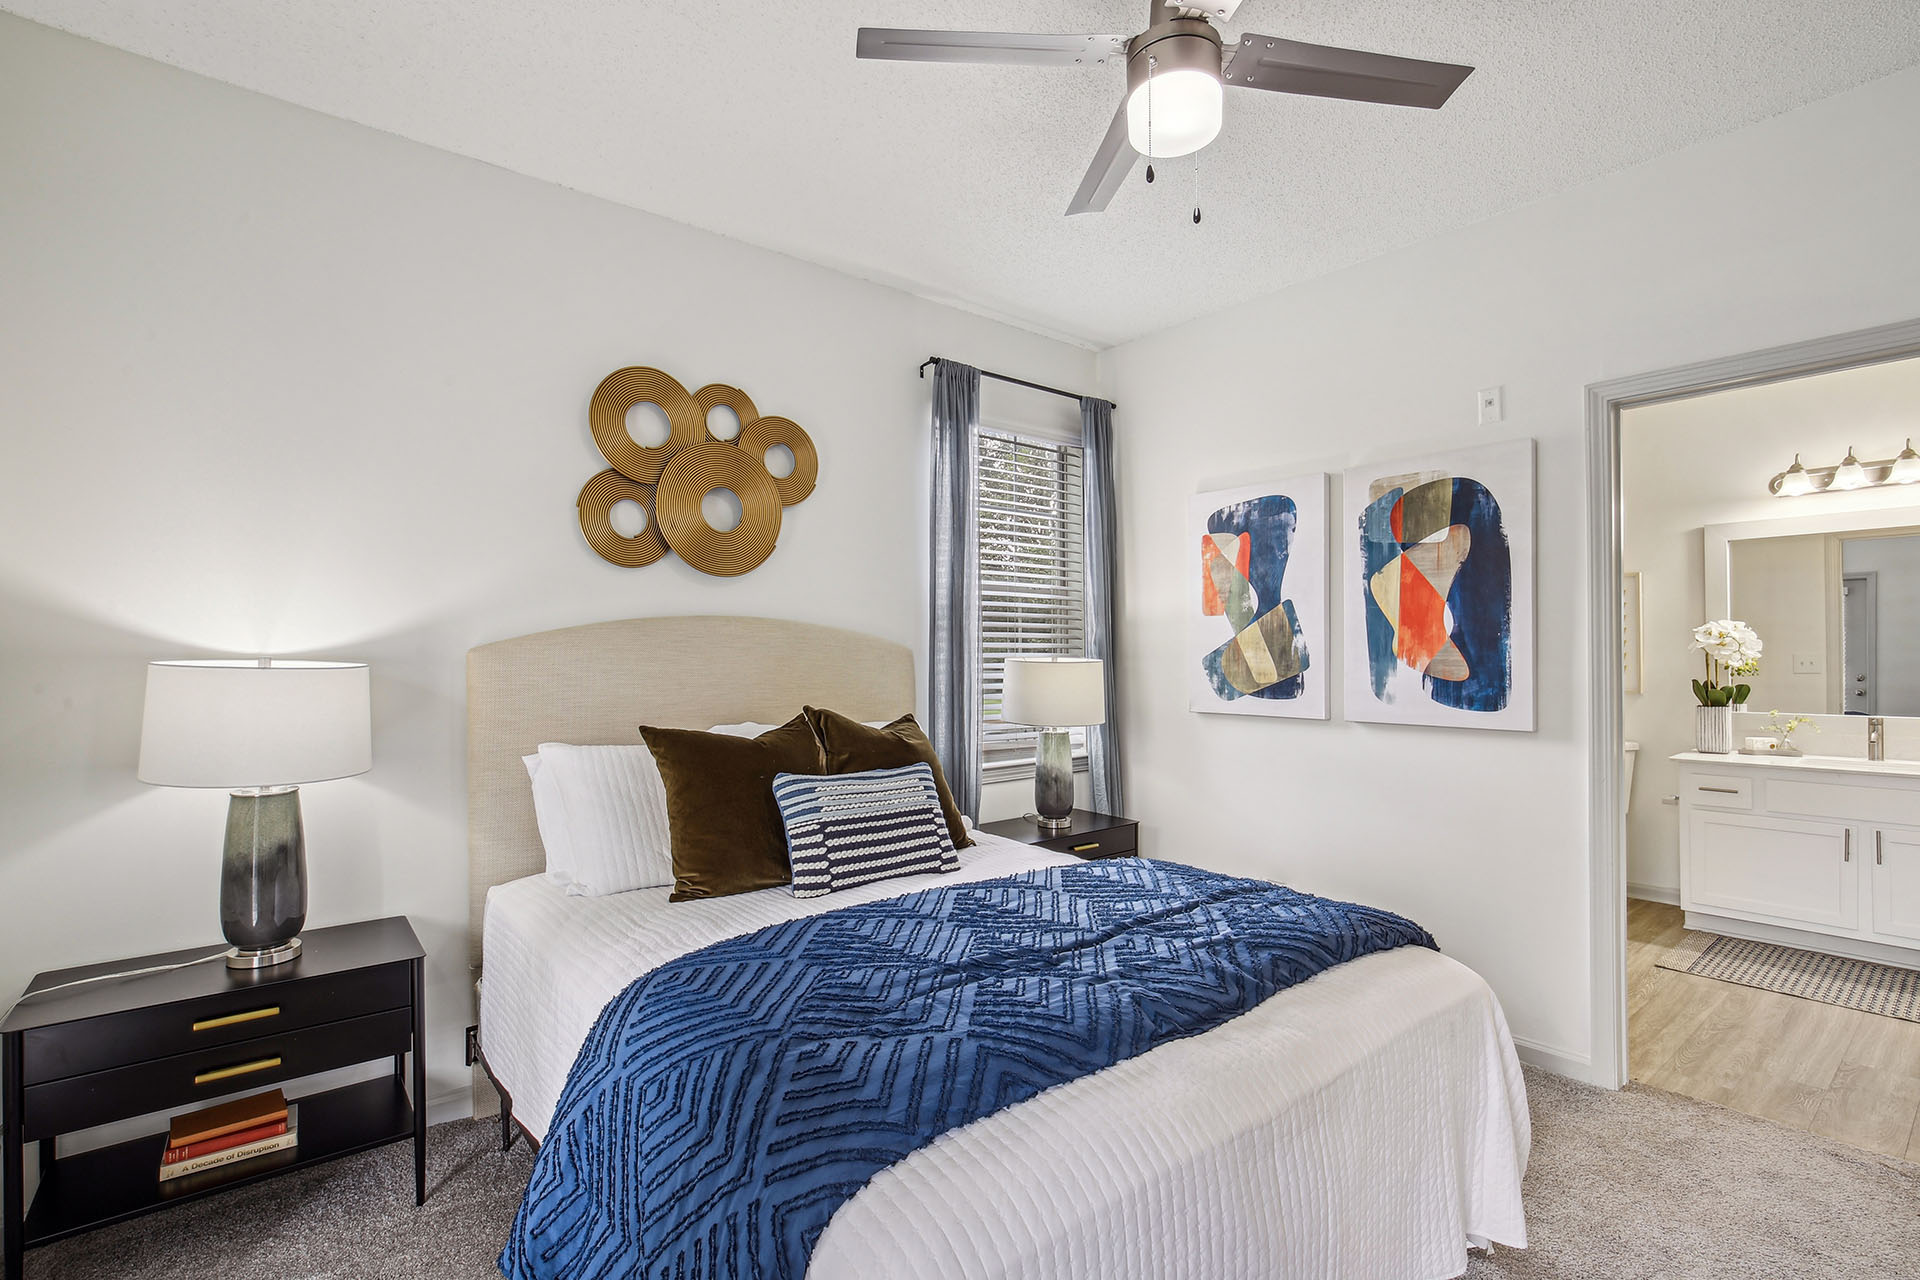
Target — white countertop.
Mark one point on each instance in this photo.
(1807, 763)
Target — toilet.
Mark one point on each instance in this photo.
(1626, 790)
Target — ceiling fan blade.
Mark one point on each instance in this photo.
(1111, 165)
(1322, 71)
(901, 45)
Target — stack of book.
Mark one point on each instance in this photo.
(228, 1134)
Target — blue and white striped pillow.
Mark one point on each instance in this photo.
(845, 829)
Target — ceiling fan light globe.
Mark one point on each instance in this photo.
(1186, 106)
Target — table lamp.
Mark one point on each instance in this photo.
(1051, 694)
(258, 729)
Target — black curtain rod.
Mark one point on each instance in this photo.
(1018, 382)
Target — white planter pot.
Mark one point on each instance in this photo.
(1713, 730)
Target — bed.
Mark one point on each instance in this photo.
(1369, 1123)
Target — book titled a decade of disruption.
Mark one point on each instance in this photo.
(228, 1134)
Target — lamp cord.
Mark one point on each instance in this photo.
(129, 973)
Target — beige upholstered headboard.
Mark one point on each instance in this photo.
(599, 683)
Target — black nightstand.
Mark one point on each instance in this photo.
(170, 1042)
(1092, 835)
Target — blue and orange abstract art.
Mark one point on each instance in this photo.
(1436, 583)
(1439, 589)
(1259, 580)
(1265, 657)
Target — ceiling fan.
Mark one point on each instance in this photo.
(1177, 74)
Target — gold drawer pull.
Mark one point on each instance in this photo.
(1086, 848)
(234, 1019)
(244, 1069)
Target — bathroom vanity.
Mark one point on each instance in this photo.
(1821, 852)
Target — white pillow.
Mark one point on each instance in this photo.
(615, 817)
(550, 813)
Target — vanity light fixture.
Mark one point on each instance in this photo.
(1849, 474)
(1798, 480)
(1906, 467)
(1794, 481)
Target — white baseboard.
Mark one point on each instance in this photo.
(456, 1104)
(1654, 893)
(1562, 1062)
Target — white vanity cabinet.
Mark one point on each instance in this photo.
(1895, 870)
(1817, 852)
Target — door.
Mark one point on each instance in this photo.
(1780, 870)
(1895, 876)
(1859, 643)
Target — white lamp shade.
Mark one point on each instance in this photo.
(1054, 692)
(235, 723)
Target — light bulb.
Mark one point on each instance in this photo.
(1906, 467)
(1186, 105)
(1794, 482)
(1849, 474)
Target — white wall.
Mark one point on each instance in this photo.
(1896, 561)
(1796, 227)
(1691, 463)
(274, 383)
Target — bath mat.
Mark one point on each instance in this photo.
(1853, 984)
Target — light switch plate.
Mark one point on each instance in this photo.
(1493, 404)
(1806, 664)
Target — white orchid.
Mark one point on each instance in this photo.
(1732, 648)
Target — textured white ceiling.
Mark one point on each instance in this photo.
(755, 120)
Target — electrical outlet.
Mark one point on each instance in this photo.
(1493, 404)
(1806, 664)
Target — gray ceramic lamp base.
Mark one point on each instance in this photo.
(263, 878)
(1053, 780)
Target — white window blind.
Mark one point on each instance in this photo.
(1033, 596)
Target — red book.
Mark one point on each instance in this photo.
(228, 1117)
(174, 1155)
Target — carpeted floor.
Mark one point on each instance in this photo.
(1638, 1184)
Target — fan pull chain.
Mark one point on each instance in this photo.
(1152, 62)
(1199, 186)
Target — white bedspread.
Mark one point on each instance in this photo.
(1370, 1123)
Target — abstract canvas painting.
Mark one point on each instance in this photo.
(1439, 589)
(1256, 599)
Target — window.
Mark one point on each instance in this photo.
(1033, 595)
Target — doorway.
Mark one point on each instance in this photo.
(1756, 882)
(1859, 629)
(1607, 811)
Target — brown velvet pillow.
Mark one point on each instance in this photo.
(852, 747)
(726, 831)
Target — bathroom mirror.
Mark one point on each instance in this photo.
(1836, 601)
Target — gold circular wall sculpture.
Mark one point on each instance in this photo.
(618, 392)
(692, 474)
(712, 396)
(670, 481)
(762, 434)
(595, 506)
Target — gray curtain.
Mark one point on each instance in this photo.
(953, 668)
(1096, 459)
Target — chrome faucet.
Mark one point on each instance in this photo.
(1876, 738)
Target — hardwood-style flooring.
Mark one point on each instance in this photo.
(1840, 1073)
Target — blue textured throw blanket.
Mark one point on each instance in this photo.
(728, 1102)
